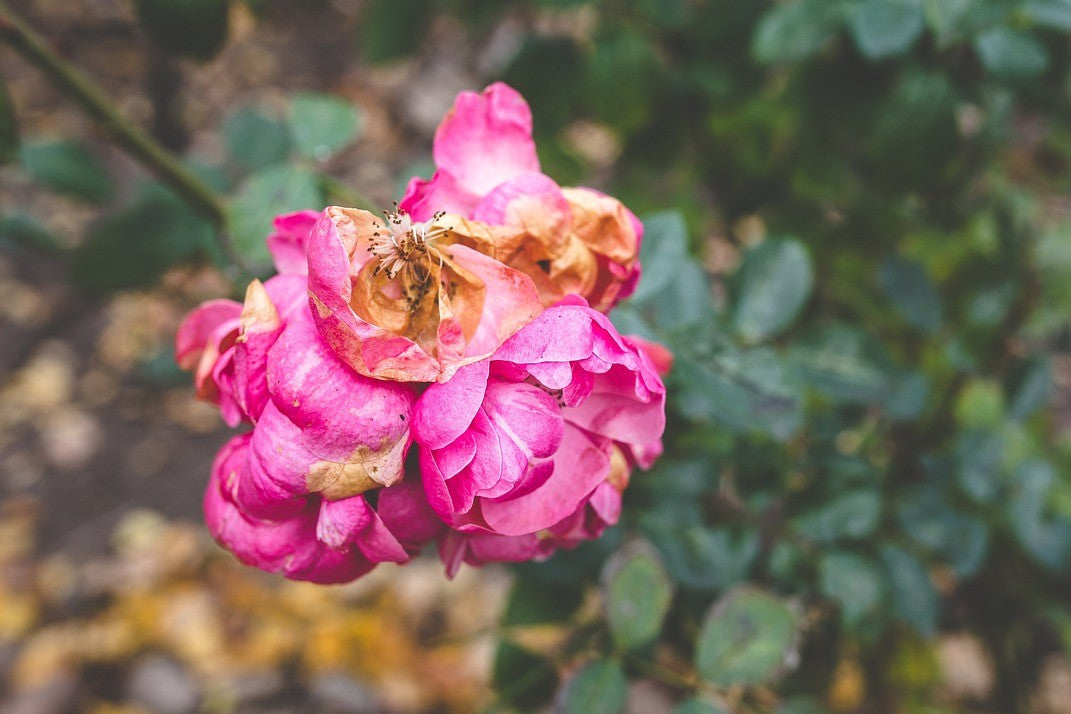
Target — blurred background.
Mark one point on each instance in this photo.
(858, 246)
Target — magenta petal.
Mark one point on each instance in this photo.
(288, 546)
(462, 492)
(343, 416)
(351, 522)
(198, 326)
(289, 293)
(486, 139)
(498, 206)
(619, 416)
(379, 545)
(289, 243)
(445, 409)
(511, 300)
(562, 333)
(530, 417)
(424, 198)
(435, 488)
(339, 522)
(456, 455)
(278, 464)
(581, 464)
(404, 509)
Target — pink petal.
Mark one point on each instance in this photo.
(445, 409)
(515, 201)
(618, 414)
(511, 300)
(423, 198)
(289, 242)
(288, 546)
(660, 357)
(562, 333)
(581, 464)
(527, 415)
(351, 522)
(197, 327)
(404, 509)
(343, 417)
(486, 139)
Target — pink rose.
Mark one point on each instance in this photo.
(572, 241)
(322, 541)
(516, 444)
(225, 342)
(289, 496)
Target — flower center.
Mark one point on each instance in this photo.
(404, 242)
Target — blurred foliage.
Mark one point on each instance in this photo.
(864, 279)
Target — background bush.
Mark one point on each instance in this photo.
(859, 248)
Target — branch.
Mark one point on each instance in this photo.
(96, 103)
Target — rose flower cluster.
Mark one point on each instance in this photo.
(445, 373)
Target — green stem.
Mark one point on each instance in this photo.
(96, 103)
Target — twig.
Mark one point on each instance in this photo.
(35, 49)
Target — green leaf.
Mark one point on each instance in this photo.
(664, 250)
(912, 292)
(534, 602)
(745, 638)
(980, 404)
(773, 284)
(27, 232)
(978, 456)
(637, 593)
(262, 197)
(882, 28)
(1046, 539)
(912, 595)
(68, 168)
(793, 31)
(626, 106)
(853, 582)
(322, 124)
(1049, 13)
(1011, 53)
(9, 128)
(521, 678)
(599, 688)
(192, 28)
(702, 558)
(390, 29)
(685, 305)
(256, 141)
(947, 17)
(840, 362)
(698, 706)
(930, 521)
(1033, 390)
(748, 390)
(907, 396)
(853, 515)
(135, 245)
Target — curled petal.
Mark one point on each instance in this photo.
(197, 328)
(288, 546)
(581, 463)
(356, 427)
(289, 242)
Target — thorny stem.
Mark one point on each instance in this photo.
(92, 99)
